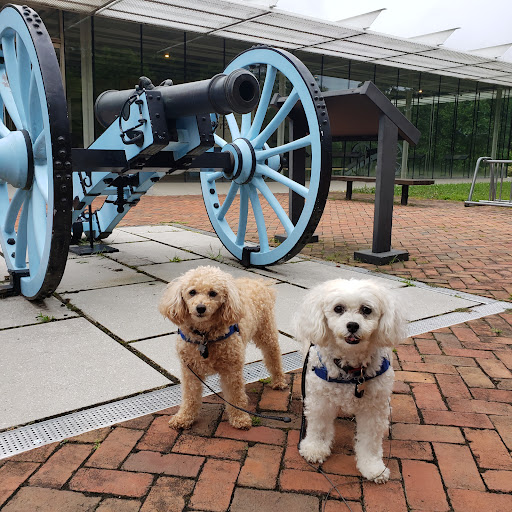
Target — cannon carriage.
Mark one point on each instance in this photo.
(47, 187)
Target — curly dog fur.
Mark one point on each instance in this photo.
(347, 324)
(204, 302)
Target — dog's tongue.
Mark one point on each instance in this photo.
(351, 339)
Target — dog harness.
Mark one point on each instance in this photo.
(357, 376)
(203, 345)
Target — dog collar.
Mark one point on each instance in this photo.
(359, 380)
(203, 345)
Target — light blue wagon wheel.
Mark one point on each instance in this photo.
(35, 155)
(256, 161)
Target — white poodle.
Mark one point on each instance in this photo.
(349, 327)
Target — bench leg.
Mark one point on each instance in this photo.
(348, 194)
(405, 195)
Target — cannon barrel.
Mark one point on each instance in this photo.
(222, 94)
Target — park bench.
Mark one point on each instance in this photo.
(404, 182)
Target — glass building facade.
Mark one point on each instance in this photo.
(460, 120)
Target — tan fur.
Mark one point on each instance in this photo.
(246, 302)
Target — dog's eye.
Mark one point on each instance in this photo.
(339, 309)
(192, 292)
(212, 294)
(365, 310)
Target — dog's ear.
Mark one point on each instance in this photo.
(310, 325)
(172, 304)
(392, 330)
(232, 307)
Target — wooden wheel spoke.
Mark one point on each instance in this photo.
(264, 103)
(260, 219)
(242, 217)
(274, 204)
(13, 78)
(265, 170)
(226, 205)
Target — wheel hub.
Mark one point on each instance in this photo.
(244, 161)
(17, 160)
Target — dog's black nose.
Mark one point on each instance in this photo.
(201, 309)
(352, 327)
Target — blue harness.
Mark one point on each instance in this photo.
(359, 379)
(203, 345)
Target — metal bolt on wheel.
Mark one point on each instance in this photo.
(35, 222)
(256, 163)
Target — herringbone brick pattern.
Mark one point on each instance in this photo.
(451, 439)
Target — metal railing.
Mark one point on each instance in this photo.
(497, 176)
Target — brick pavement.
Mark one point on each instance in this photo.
(467, 249)
(451, 439)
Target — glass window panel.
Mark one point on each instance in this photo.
(163, 54)
(205, 57)
(73, 77)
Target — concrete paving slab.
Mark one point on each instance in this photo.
(288, 299)
(91, 272)
(130, 312)
(18, 311)
(310, 273)
(205, 245)
(148, 252)
(119, 236)
(60, 366)
(171, 270)
(424, 303)
(162, 350)
(143, 230)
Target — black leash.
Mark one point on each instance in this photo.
(285, 419)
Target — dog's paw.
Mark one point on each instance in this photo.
(179, 422)
(314, 452)
(383, 477)
(279, 383)
(378, 473)
(241, 421)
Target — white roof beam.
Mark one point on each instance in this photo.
(434, 38)
(361, 21)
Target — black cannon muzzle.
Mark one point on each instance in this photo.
(237, 92)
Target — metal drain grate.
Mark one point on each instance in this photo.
(437, 322)
(50, 431)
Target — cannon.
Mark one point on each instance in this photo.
(47, 187)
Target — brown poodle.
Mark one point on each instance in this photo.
(217, 316)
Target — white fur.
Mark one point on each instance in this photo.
(317, 323)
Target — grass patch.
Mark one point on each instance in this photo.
(445, 191)
(45, 318)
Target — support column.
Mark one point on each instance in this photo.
(405, 144)
(381, 252)
(497, 121)
(87, 81)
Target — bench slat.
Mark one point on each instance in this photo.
(404, 182)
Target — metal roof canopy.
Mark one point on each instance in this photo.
(259, 24)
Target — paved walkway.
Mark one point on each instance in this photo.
(450, 443)
(467, 249)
